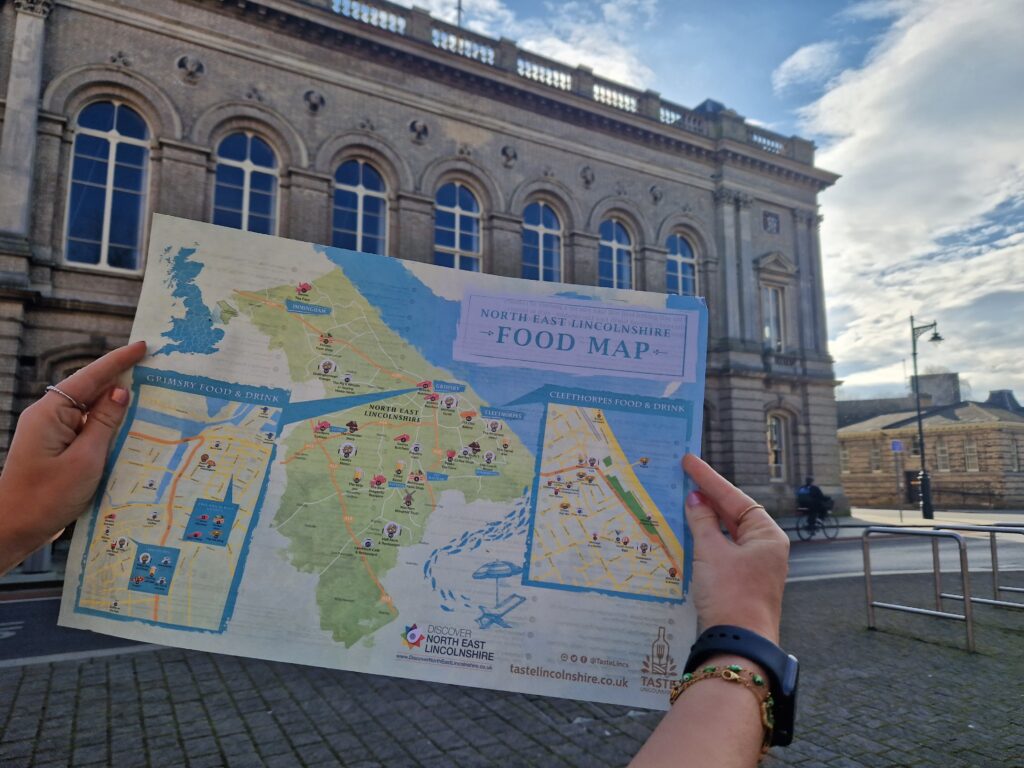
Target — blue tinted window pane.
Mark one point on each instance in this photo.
(625, 271)
(446, 219)
(90, 171)
(550, 218)
(372, 245)
(530, 272)
(341, 239)
(261, 224)
(689, 280)
(124, 218)
(469, 265)
(531, 238)
(230, 175)
(227, 197)
(345, 199)
(443, 259)
(85, 215)
(82, 252)
(446, 196)
(604, 267)
(98, 116)
(373, 205)
(444, 238)
(469, 242)
(469, 225)
(226, 218)
(467, 201)
(91, 146)
(607, 230)
(233, 147)
(346, 219)
(532, 214)
(261, 153)
(132, 154)
(371, 179)
(128, 177)
(261, 204)
(130, 123)
(672, 244)
(373, 226)
(621, 235)
(552, 243)
(348, 173)
(262, 182)
(122, 257)
(552, 275)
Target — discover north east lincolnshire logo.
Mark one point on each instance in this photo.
(412, 637)
(658, 671)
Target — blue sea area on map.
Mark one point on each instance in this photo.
(431, 327)
(213, 405)
(194, 333)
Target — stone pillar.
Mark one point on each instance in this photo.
(310, 206)
(653, 263)
(820, 321)
(21, 115)
(747, 299)
(12, 320)
(725, 226)
(506, 257)
(805, 275)
(584, 258)
(184, 181)
(415, 227)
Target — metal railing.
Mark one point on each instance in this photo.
(965, 580)
(992, 531)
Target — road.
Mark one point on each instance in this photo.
(28, 627)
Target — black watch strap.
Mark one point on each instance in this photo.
(780, 667)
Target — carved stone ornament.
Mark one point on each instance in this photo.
(743, 200)
(465, 150)
(35, 7)
(315, 101)
(549, 172)
(686, 208)
(190, 68)
(419, 131)
(255, 94)
(366, 124)
(509, 156)
(621, 189)
(587, 176)
(724, 196)
(657, 193)
(120, 59)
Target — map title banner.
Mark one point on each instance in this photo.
(576, 336)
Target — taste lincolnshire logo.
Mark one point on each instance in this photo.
(412, 637)
(658, 671)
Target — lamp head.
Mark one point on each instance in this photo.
(936, 337)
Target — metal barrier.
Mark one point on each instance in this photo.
(967, 616)
(992, 531)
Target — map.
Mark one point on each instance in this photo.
(353, 461)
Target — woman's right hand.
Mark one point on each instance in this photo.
(738, 582)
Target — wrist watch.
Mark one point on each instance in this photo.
(781, 668)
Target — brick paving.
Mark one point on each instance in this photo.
(905, 696)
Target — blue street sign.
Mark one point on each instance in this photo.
(897, 446)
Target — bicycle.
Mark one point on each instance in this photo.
(824, 522)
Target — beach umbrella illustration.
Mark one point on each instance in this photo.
(497, 570)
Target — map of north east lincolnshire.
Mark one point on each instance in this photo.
(173, 522)
(595, 526)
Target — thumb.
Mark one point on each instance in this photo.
(104, 418)
(704, 525)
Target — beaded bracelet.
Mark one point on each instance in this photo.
(734, 673)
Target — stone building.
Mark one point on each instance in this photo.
(974, 452)
(379, 128)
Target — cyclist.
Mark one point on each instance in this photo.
(810, 497)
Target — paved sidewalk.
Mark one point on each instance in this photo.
(905, 696)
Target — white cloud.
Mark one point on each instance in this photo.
(810, 65)
(929, 215)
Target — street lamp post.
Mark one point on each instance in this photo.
(927, 510)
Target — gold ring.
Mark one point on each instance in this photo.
(739, 518)
(80, 406)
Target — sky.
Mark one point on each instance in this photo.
(918, 104)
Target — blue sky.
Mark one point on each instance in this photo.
(919, 104)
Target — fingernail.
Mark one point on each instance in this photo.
(695, 499)
(119, 395)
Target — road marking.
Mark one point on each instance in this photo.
(77, 655)
(29, 600)
(9, 629)
(876, 572)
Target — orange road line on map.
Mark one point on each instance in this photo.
(351, 534)
(318, 332)
(144, 436)
(170, 503)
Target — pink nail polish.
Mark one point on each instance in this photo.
(119, 395)
(694, 499)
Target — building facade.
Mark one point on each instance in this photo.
(974, 452)
(379, 128)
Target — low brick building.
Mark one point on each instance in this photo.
(974, 452)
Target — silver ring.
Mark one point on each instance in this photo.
(80, 406)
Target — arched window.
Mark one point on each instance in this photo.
(777, 432)
(457, 228)
(107, 194)
(615, 256)
(245, 196)
(680, 266)
(360, 208)
(542, 243)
